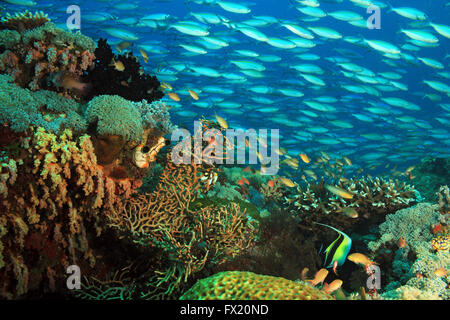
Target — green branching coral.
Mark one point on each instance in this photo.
(375, 195)
(115, 115)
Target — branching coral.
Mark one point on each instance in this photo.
(419, 259)
(189, 237)
(23, 20)
(372, 198)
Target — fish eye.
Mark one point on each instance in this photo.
(145, 149)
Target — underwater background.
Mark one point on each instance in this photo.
(96, 94)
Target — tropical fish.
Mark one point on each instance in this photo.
(319, 277)
(360, 258)
(339, 192)
(333, 286)
(338, 250)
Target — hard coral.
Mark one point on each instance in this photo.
(372, 199)
(188, 237)
(46, 57)
(114, 115)
(130, 83)
(237, 285)
(50, 195)
(23, 21)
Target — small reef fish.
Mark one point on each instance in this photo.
(319, 277)
(440, 272)
(287, 182)
(360, 258)
(337, 250)
(401, 242)
(339, 192)
(118, 65)
(174, 96)
(123, 45)
(305, 158)
(349, 212)
(222, 122)
(193, 94)
(333, 286)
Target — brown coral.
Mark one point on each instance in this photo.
(190, 236)
(24, 20)
(50, 195)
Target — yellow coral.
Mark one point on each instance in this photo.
(239, 285)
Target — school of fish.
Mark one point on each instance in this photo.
(311, 68)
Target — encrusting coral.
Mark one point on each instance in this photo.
(238, 285)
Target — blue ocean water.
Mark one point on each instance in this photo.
(349, 116)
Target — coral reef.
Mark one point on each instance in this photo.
(415, 265)
(237, 285)
(444, 200)
(430, 175)
(21, 108)
(129, 82)
(50, 195)
(41, 56)
(188, 235)
(23, 20)
(372, 199)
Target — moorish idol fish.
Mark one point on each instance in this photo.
(338, 249)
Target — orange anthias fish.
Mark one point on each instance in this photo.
(440, 272)
(319, 277)
(360, 258)
(240, 182)
(304, 157)
(173, 96)
(437, 228)
(333, 286)
(271, 183)
(401, 242)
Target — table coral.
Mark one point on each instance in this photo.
(238, 285)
